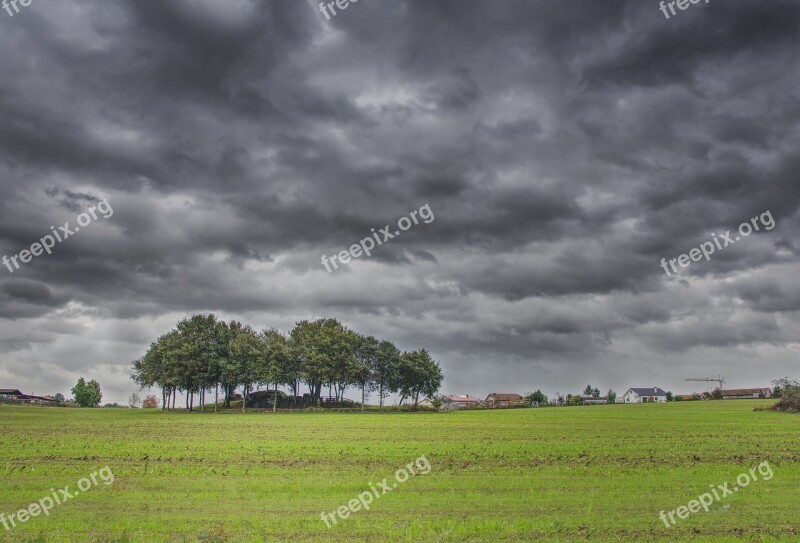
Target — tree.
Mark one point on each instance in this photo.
(160, 367)
(596, 393)
(573, 400)
(134, 400)
(537, 398)
(246, 351)
(151, 402)
(277, 367)
(87, 394)
(325, 355)
(588, 390)
(204, 344)
(58, 398)
(385, 368)
(612, 396)
(418, 375)
(366, 351)
(717, 394)
(670, 397)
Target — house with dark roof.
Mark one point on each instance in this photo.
(644, 395)
(12, 395)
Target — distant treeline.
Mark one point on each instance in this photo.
(205, 354)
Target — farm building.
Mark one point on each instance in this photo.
(692, 397)
(457, 401)
(644, 395)
(12, 395)
(746, 393)
(496, 399)
(593, 400)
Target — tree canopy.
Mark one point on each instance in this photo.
(203, 353)
(87, 394)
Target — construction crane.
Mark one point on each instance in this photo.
(719, 379)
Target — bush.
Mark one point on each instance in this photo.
(790, 395)
(151, 402)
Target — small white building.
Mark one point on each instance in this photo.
(644, 395)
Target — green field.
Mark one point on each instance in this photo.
(599, 473)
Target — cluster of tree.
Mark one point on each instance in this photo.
(593, 392)
(537, 398)
(203, 354)
(788, 393)
(577, 399)
(87, 394)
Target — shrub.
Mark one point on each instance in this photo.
(151, 402)
(790, 395)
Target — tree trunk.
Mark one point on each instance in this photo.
(216, 396)
(275, 398)
(363, 395)
(174, 395)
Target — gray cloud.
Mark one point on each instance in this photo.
(564, 149)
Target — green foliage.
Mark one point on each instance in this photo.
(537, 398)
(612, 396)
(670, 397)
(87, 394)
(789, 399)
(418, 376)
(202, 353)
(385, 370)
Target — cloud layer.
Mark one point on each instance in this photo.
(564, 148)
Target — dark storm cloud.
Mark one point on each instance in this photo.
(564, 148)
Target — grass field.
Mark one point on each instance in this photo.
(600, 473)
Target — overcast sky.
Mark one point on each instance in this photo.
(564, 148)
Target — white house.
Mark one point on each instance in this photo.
(644, 395)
